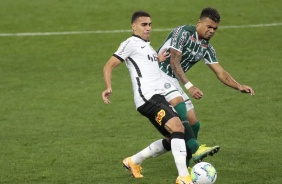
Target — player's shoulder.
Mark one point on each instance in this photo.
(208, 44)
(128, 41)
(127, 44)
(184, 30)
(133, 40)
(188, 28)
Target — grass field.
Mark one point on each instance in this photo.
(54, 127)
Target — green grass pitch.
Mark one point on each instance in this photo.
(55, 129)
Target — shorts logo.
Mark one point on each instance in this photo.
(160, 116)
(167, 85)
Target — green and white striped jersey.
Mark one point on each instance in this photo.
(185, 39)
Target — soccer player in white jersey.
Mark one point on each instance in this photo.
(187, 45)
(149, 90)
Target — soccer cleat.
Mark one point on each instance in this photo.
(203, 152)
(133, 168)
(184, 180)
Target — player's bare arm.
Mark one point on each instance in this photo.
(108, 68)
(175, 58)
(228, 80)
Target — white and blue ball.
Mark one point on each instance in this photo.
(203, 173)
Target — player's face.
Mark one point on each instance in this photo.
(142, 27)
(206, 28)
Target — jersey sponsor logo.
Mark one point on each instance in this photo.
(160, 116)
(192, 39)
(167, 85)
(152, 58)
(204, 46)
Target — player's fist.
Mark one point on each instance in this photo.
(196, 93)
(246, 89)
(106, 95)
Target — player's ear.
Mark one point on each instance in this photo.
(133, 26)
(199, 21)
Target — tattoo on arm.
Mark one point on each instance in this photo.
(176, 67)
(229, 81)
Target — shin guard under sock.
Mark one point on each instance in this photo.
(196, 129)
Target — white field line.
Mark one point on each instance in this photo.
(122, 31)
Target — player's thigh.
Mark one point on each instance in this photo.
(159, 112)
(188, 102)
(173, 97)
(191, 115)
(173, 91)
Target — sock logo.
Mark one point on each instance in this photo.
(160, 116)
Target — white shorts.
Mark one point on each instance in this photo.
(175, 83)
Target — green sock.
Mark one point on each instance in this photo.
(193, 145)
(188, 162)
(181, 111)
(196, 129)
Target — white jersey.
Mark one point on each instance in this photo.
(142, 62)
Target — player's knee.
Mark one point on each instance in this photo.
(191, 116)
(174, 125)
(193, 121)
(179, 127)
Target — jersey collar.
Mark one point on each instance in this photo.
(197, 37)
(140, 38)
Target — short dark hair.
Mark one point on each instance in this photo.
(210, 13)
(138, 14)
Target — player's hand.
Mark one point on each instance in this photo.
(106, 95)
(196, 93)
(246, 89)
(163, 55)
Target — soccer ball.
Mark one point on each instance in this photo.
(203, 173)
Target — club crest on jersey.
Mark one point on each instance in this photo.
(167, 85)
(160, 116)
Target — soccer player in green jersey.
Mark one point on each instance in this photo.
(187, 45)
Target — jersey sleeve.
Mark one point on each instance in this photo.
(124, 50)
(178, 38)
(210, 55)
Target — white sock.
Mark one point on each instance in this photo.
(153, 150)
(178, 150)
